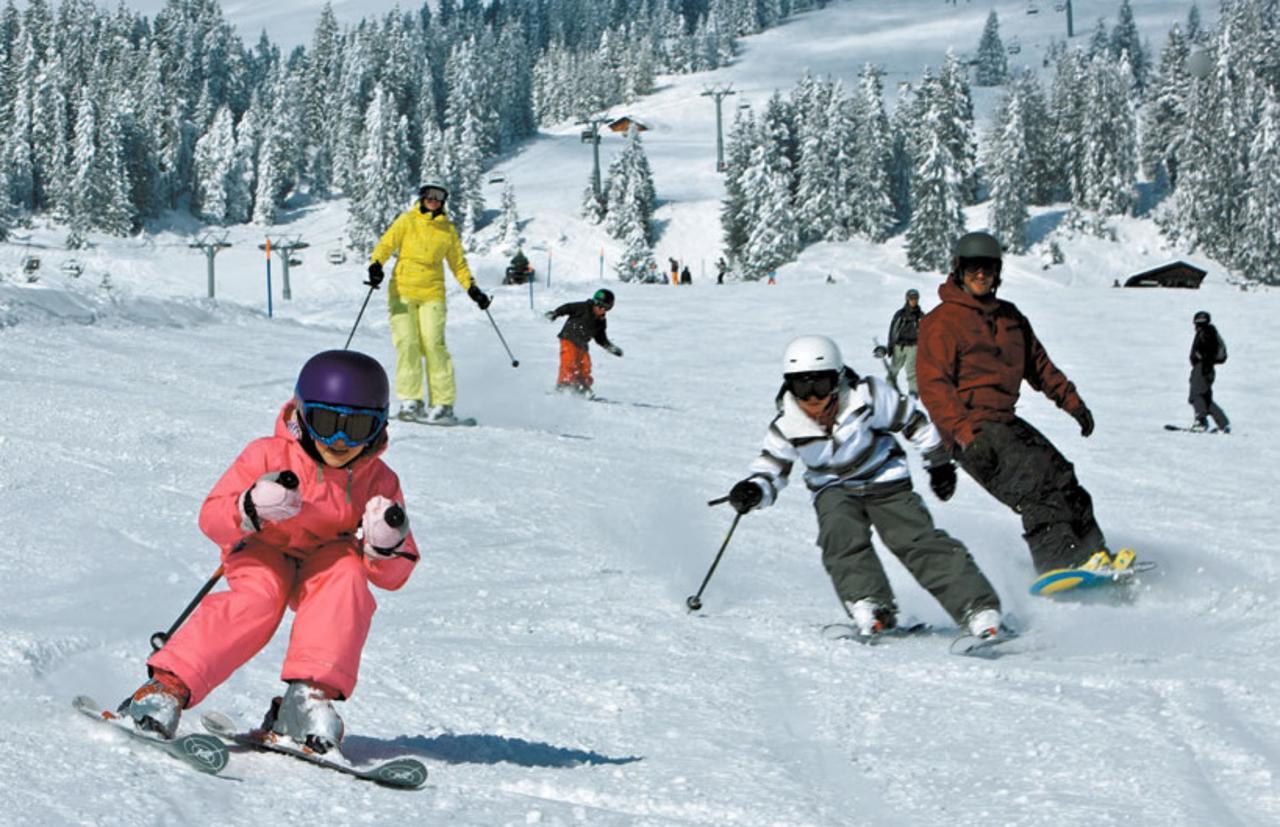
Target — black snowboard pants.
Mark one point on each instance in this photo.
(938, 561)
(1201, 397)
(1018, 466)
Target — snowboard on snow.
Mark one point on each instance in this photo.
(1190, 430)
(400, 773)
(1065, 580)
(200, 752)
(455, 422)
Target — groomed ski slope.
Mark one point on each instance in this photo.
(541, 660)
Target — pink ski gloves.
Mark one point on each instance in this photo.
(274, 498)
(384, 526)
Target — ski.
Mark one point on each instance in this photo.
(607, 401)
(1186, 429)
(972, 646)
(400, 773)
(466, 422)
(849, 631)
(1062, 580)
(198, 751)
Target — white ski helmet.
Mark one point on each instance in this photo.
(811, 353)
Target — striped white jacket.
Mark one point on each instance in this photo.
(861, 453)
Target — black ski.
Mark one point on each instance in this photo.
(400, 773)
(849, 631)
(200, 752)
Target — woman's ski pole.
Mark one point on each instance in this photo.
(359, 315)
(515, 363)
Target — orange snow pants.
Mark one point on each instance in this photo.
(575, 365)
(329, 591)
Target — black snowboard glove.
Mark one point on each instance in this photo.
(879, 352)
(1085, 419)
(744, 496)
(942, 479)
(550, 315)
(477, 295)
(375, 275)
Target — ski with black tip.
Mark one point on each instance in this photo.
(198, 751)
(849, 631)
(399, 773)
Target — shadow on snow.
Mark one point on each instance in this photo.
(474, 749)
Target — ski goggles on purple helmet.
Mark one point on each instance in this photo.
(330, 423)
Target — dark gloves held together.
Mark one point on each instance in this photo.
(375, 274)
(880, 352)
(1085, 419)
(942, 479)
(477, 295)
(744, 496)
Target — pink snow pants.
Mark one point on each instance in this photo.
(329, 591)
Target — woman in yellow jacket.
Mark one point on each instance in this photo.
(422, 239)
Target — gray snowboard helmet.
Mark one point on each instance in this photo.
(977, 245)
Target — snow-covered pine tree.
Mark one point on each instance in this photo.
(1125, 40)
(1110, 140)
(214, 161)
(509, 222)
(1164, 117)
(1008, 163)
(993, 63)
(955, 119)
(630, 196)
(636, 263)
(1260, 246)
(383, 174)
(734, 209)
(819, 191)
(936, 199)
(466, 202)
(773, 237)
(869, 184)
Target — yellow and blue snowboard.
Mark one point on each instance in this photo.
(1101, 570)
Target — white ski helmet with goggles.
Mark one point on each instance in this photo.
(808, 354)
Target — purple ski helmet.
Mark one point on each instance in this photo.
(344, 377)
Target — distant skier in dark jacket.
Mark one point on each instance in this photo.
(975, 352)
(903, 332)
(685, 276)
(1207, 352)
(586, 321)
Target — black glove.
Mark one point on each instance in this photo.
(375, 275)
(614, 349)
(1085, 419)
(550, 315)
(477, 295)
(744, 496)
(942, 479)
(879, 352)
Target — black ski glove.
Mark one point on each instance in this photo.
(1085, 419)
(942, 479)
(879, 352)
(375, 275)
(614, 349)
(550, 315)
(477, 295)
(744, 496)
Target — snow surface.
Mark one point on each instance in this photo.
(541, 660)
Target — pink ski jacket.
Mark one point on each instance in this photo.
(333, 501)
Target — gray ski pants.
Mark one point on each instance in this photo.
(938, 561)
(904, 356)
(1201, 397)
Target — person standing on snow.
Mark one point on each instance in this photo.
(841, 427)
(586, 321)
(283, 515)
(422, 239)
(685, 276)
(903, 333)
(975, 351)
(1207, 352)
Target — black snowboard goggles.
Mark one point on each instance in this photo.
(814, 383)
(330, 423)
(432, 194)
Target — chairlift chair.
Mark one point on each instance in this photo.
(30, 264)
(1013, 47)
(1032, 8)
(72, 267)
(295, 261)
(336, 256)
(497, 179)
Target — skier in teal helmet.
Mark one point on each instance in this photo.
(586, 321)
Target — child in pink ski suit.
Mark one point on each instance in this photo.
(296, 548)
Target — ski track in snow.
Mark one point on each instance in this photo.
(540, 660)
